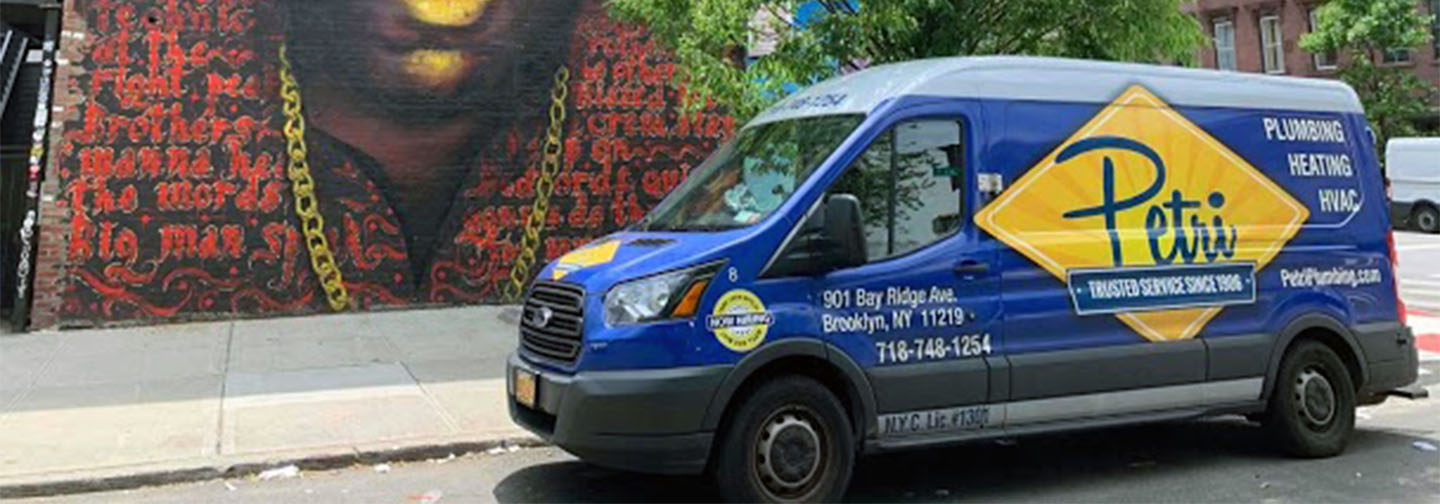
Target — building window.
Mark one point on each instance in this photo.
(1323, 60)
(1272, 44)
(1224, 44)
(1395, 56)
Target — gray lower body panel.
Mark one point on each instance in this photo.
(1391, 359)
(1071, 412)
(930, 385)
(1127, 402)
(641, 420)
(1240, 356)
(1103, 369)
(1384, 341)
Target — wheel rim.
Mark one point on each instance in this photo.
(1314, 398)
(1425, 220)
(790, 453)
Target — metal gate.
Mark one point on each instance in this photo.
(28, 38)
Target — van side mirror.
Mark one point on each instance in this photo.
(844, 226)
(831, 238)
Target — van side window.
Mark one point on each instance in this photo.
(909, 182)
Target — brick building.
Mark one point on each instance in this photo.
(1264, 36)
(158, 181)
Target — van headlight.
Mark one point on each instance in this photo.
(670, 295)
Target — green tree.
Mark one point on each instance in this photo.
(709, 37)
(1364, 29)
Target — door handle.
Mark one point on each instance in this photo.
(971, 267)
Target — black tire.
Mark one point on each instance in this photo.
(1312, 408)
(809, 431)
(1426, 219)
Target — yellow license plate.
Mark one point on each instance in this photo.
(525, 388)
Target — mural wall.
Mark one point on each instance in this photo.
(418, 137)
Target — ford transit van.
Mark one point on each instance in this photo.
(958, 249)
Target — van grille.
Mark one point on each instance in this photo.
(559, 337)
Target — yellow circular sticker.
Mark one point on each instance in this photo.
(739, 320)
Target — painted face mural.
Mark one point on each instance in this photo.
(264, 156)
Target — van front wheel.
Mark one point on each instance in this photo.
(1312, 408)
(789, 441)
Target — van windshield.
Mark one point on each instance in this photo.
(750, 176)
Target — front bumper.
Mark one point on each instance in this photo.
(645, 420)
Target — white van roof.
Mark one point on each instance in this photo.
(1058, 79)
(1421, 144)
(1415, 159)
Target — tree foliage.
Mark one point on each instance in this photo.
(708, 37)
(1363, 30)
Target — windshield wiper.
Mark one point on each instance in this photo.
(703, 227)
(641, 225)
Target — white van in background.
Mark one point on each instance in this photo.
(1413, 165)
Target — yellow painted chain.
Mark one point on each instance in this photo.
(550, 165)
(312, 224)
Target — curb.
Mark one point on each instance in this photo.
(239, 469)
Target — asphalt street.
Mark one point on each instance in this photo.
(1218, 460)
(1210, 461)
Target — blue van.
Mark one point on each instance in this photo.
(958, 249)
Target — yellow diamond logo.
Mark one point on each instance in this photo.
(1141, 188)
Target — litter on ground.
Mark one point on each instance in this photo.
(429, 497)
(289, 471)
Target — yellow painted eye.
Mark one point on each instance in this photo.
(446, 12)
(435, 67)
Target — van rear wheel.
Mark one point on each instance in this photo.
(1312, 408)
(1426, 219)
(789, 441)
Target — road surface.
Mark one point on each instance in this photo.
(1220, 460)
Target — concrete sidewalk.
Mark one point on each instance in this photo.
(94, 408)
